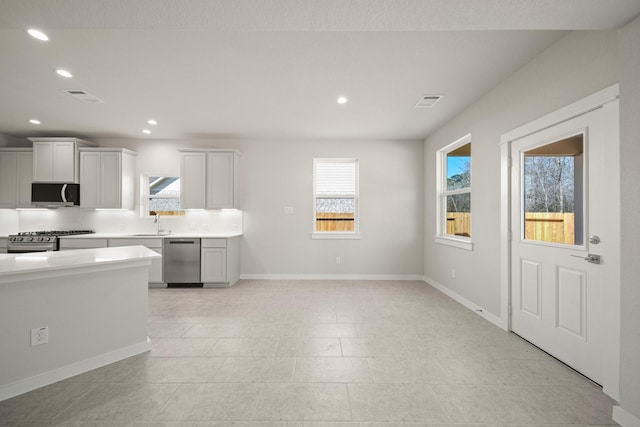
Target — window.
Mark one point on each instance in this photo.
(162, 195)
(335, 184)
(454, 194)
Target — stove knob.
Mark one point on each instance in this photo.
(48, 239)
(20, 239)
(30, 239)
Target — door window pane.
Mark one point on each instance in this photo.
(553, 192)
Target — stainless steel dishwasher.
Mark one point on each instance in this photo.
(181, 260)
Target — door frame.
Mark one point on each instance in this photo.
(607, 99)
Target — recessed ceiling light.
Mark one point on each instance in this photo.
(64, 73)
(34, 121)
(342, 100)
(37, 34)
(147, 131)
(152, 122)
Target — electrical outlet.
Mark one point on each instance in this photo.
(338, 260)
(288, 210)
(453, 273)
(39, 336)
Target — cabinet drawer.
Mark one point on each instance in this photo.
(149, 243)
(82, 243)
(214, 243)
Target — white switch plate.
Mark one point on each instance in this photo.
(39, 336)
(288, 210)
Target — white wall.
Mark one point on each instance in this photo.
(630, 191)
(577, 66)
(278, 174)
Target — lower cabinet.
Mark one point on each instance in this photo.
(71, 243)
(3, 245)
(220, 262)
(153, 243)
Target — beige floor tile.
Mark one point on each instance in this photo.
(177, 369)
(181, 347)
(373, 347)
(524, 404)
(332, 370)
(167, 330)
(329, 330)
(256, 369)
(303, 402)
(43, 404)
(214, 401)
(387, 370)
(119, 402)
(512, 372)
(253, 347)
(320, 347)
(319, 354)
(395, 403)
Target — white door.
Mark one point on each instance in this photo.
(559, 228)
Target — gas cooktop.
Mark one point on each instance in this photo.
(54, 233)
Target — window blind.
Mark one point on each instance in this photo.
(335, 178)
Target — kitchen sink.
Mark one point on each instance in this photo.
(151, 234)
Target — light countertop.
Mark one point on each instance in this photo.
(12, 265)
(151, 235)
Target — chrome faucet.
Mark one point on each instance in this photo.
(157, 221)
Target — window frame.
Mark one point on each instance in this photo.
(441, 235)
(355, 234)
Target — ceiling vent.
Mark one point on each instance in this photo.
(84, 96)
(428, 101)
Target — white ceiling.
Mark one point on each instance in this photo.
(270, 68)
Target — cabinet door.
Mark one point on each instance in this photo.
(24, 176)
(8, 184)
(192, 180)
(89, 179)
(214, 265)
(220, 182)
(42, 161)
(110, 182)
(155, 271)
(64, 161)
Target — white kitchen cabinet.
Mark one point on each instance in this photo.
(193, 172)
(153, 243)
(56, 159)
(209, 179)
(220, 262)
(70, 243)
(16, 170)
(107, 178)
(3, 244)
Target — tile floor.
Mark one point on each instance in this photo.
(319, 354)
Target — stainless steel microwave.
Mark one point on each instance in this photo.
(55, 194)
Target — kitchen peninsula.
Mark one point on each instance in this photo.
(92, 302)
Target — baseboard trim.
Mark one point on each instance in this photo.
(624, 418)
(499, 322)
(31, 383)
(411, 277)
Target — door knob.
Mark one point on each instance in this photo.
(594, 240)
(591, 258)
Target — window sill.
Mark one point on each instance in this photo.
(336, 235)
(456, 243)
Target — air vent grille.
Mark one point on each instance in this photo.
(428, 101)
(84, 96)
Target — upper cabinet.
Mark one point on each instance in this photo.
(56, 159)
(209, 179)
(107, 178)
(16, 174)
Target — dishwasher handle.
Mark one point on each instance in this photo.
(182, 242)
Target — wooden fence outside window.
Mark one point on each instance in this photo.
(550, 227)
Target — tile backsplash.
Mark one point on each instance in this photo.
(118, 221)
